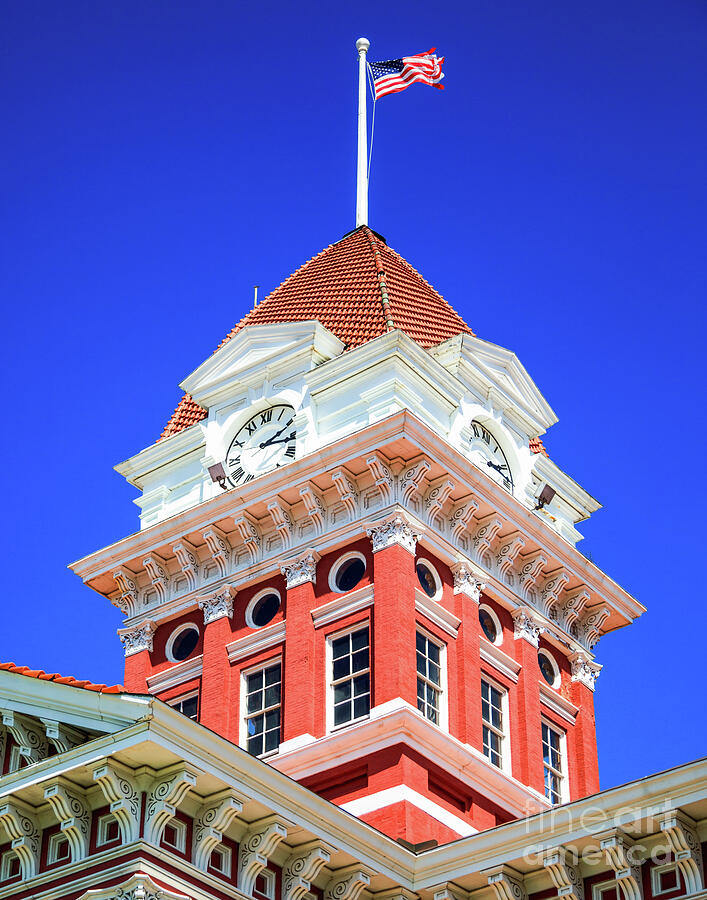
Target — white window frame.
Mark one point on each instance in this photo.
(175, 700)
(437, 596)
(180, 829)
(55, 840)
(598, 889)
(564, 769)
(225, 856)
(496, 621)
(505, 720)
(7, 858)
(657, 871)
(102, 828)
(359, 626)
(252, 604)
(555, 668)
(443, 685)
(333, 572)
(243, 705)
(270, 879)
(16, 758)
(185, 626)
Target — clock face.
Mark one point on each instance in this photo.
(265, 442)
(488, 456)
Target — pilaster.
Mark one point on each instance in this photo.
(299, 702)
(137, 643)
(525, 702)
(215, 701)
(583, 740)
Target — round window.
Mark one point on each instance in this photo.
(488, 624)
(349, 573)
(184, 643)
(427, 578)
(548, 668)
(264, 609)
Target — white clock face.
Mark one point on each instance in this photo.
(488, 456)
(266, 441)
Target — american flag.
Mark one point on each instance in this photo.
(397, 74)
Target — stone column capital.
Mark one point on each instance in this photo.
(137, 638)
(584, 670)
(525, 626)
(466, 580)
(301, 569)
(219, 605)
(395, 529)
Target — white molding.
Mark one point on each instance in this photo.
(496, 621)
(436, 613)
(498, 660)
(255, 600)
(177, 674)
(557, 703)
(557, 680)
(334, 570)
(262, 639)
(402, 792)
(342, 606)
(180, 629)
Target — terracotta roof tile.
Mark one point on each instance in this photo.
(536, 446)
(61, 679)
(358, 288)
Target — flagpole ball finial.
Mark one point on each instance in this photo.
(362, 44)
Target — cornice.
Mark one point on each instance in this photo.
(497, 659)
(557, 703)
(175, 675)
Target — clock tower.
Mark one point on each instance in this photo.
(358, 562)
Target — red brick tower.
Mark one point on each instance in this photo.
(358, 562)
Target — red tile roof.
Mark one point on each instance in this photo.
(62, 679)
(358, 288)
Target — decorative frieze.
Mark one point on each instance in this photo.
(485, 534)
(564, 872)
(156, 569)
(188, 559)
(507, 884)
(395, 530)
(584, 670)
(550, 591)
(127, 599)
(531, 565)
(315, 506)
(218, 606)
(31, 740)
(302, 868)
(347, 490)
(618, 850)
(684, 843)
(212, 819)
(347, 885)
(138, 638)
(572, 606)
(282, 520)
(466, 580)
(255, 848)
(73, 815)
(118, 788)
(525, 627)
(162, 800)
(21, 827)
(137, 887)
(301, 569)
(382, 476)
(219, 548)
(589, 629)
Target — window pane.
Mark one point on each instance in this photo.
(360, 660)
(340, 646)
(342, 667)
(272, 675)
(359, 639)
(361, 706)
(342, 691)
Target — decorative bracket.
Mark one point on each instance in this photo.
(164, 798)
(485, 534)
(525, 627)
(73, 815)
(31, 741)
(212, 819)
(413, 482)
(681, 832)
(584, 670)
(462, 516)
(218, 606)
(119, 790)
(188, 559)
(590, 626)
(255, 848)
(219, 548)
(301, 569)
(347, 490)
(314, 505)
(302, 868)
(249, 533)
(394, 530)
(437, 496)
(382, 476)
(506, 556)
(507, 884)
(531, 565)
(21, 826)
(347, 884)
(466, 580)
(282, 520)
(62, 736)
(564, 873)
(550, 591)
(156, 569)
(618, 851)
(138, 638)
(573, 605)
(126, 581)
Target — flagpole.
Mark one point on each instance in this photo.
(362, 45)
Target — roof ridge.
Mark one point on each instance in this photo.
(380, 274)
(41, 675)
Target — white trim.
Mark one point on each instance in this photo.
(496, 621)
(436, 613)
(58, 838)
(243, 697)
(564, 761)
(331, 728)
(334, 571)
(177, 674)
(261, 639)
(254, 600)
(7, 858)
(599, 888)
(435, 576)
(506, 758)
(269, 877)
(342, 606)
(180, 629)
(102, 827)
(174, 701)
(556, 669)
(557, 703)
(657, 871)
(443, 681)
(402, 792)
(225, 855)
(180, 829)
(499, 660)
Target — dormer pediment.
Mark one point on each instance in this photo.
(261, 352)
(498, 375)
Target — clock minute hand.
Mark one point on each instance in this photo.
(273, 439)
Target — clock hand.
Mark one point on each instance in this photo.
(271, 440)
(499, 469)
(285, 440)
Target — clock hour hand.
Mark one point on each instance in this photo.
(499, 468)
(273, 439)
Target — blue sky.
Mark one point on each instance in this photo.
(160, 158)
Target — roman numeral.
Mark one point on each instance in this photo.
(250, 427)
(237, 474)
(266, 416)
(248, 478)
(290, 451)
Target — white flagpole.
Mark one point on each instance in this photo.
(362, 45)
